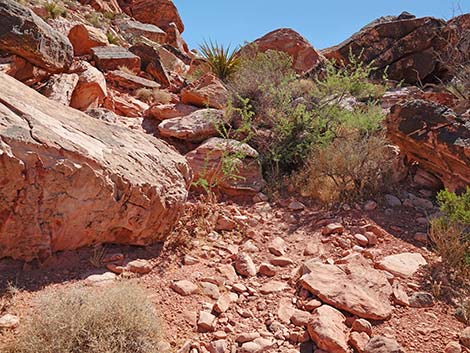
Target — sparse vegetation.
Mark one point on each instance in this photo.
(55, 10)
(119, 319)
(153, 96)
(314, 126)
(112, 39)
(222, 60)
(450, 232)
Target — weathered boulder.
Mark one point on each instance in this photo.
(168, 111)
(113, 57)
(127, 81)
(346, 288)
(69, 180)
(303, 54)
(83, 38)
(195, 127)
(328, 330)
(124, 104)
(206, 163)
(25, 34)
(60, 87)
(26, 72)
(435, 137)
(157, 12)
(132, 29)
(91, 90)
(151, 63)
(403, 45)
(207, 92)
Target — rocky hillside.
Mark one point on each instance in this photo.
(275, 199)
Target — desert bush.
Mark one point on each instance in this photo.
(222, 60)
(450, 233)
(264, 79)
(112, 39)
(55, 10)
(350, 167)
(152, 96)
(117, 319)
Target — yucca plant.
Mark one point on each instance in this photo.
(222, 60)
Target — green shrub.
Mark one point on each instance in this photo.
(222, 60)
(112, 39)
(116, 319)
(55, 10)
(450, 232)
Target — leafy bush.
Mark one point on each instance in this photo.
(222, 60)
(118, 319)
(315, 124)
(450, 232)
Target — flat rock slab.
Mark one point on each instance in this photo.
(402, 265)
(128, 81)
(131, 29)
(195, 127)
(355, 287)
(113, 57)
(69, 180)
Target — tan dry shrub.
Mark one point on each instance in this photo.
(153, 96)
(348, 168)
(116, 319)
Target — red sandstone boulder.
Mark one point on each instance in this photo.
(205, 162)
(435, 137)
(207, 92)
(151, 63)
(25, 34)
(195, 127)
(169, 111)
(83, 38)
(124, 104)
(26, 72)
(129, 82)
(157, 12)
(90, 90)
(132, 29)
(328, 330)
(304, 56)
(69, 180)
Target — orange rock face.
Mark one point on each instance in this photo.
(83, 38)
(435, 137)
(90, 90)
(207, 92)
(103, 5)
(158, 12)
(304, 56)
(69, 180)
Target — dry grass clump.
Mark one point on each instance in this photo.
(116, 319)
(153, 96)
(348, 168)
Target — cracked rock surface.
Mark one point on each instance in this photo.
(68, 180)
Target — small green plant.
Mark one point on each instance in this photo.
(55, 10)
(120, 319)
(96, 19)
(222, 60)
(97, 255)
(112, 39)
(450, 233)
(233, 152)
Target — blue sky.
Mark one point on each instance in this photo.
(323, 23)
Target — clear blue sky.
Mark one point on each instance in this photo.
(322, 22)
